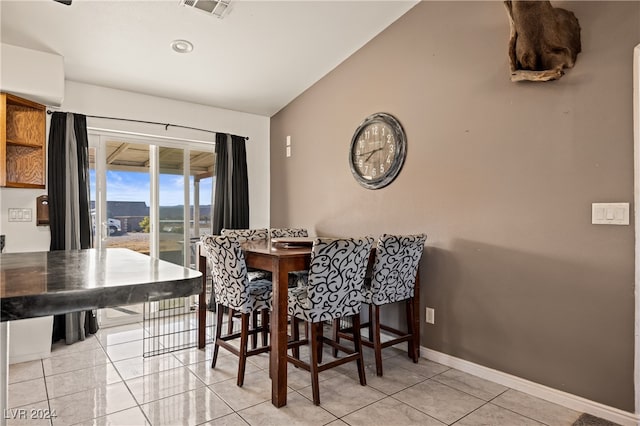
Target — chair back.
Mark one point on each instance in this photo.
(395, 268)
(229, 271)
(336, 277)
(288, 232)
(244, 235)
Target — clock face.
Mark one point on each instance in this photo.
(378, 150)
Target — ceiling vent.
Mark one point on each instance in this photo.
(212, 7)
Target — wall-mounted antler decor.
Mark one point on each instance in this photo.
(544, 40)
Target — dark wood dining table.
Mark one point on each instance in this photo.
(279, 260)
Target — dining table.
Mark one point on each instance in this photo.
(279, 258)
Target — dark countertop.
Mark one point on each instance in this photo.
(39, 284)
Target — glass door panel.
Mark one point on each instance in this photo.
(93, 152)
(125, 221)
(201, 199)
(171, 200)
(171, 217)
(128, 185)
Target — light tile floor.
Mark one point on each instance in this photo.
(104, 380)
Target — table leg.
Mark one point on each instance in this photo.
(202, 302)
(4, 374)
(278, 358)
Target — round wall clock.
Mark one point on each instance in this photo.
(378, 150)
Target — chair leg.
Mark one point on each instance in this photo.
(370, 322)
(357, 342)
(412, 349)
(377, 344)
(230, 323)
(319, 338)
(295, 333)
(265, 325)
(244, 338)
(220, 315)
(254, 336)
(336, 335)
(313, 361)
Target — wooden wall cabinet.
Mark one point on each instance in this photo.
(22, 143)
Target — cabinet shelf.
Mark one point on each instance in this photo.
(22, 143)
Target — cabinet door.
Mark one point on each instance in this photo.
(22, 144)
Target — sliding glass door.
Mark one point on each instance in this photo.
(151, 196)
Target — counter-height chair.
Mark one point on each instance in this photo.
(235, 292)
(296, 278)
(288, 232)
(243, 236)
(333, 291)
(393, 279)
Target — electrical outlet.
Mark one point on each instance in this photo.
(431, 316)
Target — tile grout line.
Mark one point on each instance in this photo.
(46, 390)
(125, 384)
(510, 410)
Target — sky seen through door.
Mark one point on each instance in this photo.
(134, 186)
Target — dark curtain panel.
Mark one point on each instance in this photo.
(231, 203)
(69, 214)
(239, 184)
(57, 175)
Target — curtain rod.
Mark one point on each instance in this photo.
(166, 125)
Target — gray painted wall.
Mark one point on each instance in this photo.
(500, 175)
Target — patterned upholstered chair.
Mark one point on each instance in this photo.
(235, 291)
(296, 278)
(334, 290)
(288, 232)
(243, 236)
(393, 279)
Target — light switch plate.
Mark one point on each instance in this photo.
(20, 215)
(610, 213)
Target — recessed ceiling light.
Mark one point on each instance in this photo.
(182, 46)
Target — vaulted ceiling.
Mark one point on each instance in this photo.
(256, 59)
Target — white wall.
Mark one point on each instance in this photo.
(22, 236)
(39, 76)
(94, 100)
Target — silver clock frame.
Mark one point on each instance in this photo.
(398, 159)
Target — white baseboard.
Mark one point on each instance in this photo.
(565, 399)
